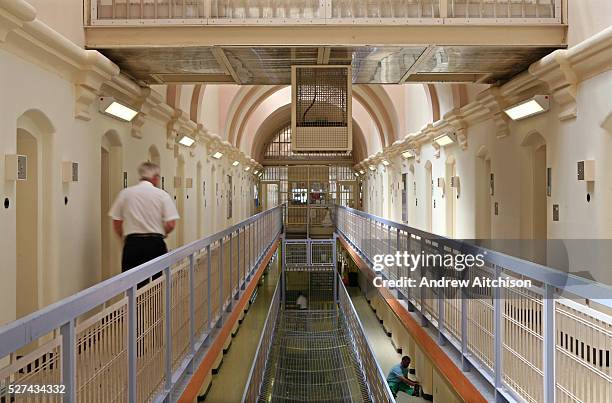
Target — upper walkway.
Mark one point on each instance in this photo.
(255, 42)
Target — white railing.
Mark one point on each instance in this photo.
(378, 389)
(279, 12)
(121, 340)
(257, 374)
(532, 344)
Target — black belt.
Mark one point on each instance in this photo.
(152, 235)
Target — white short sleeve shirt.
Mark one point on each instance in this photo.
(144, 209)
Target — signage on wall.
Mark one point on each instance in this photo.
(163, 183)
(548, 182)
(492, 184)
(124, 180)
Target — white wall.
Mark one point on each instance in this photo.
(566, 143)
(71, 232)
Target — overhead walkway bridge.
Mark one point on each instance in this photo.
(117, 341)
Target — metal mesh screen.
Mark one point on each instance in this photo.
(321, 108)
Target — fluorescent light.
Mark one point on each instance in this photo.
(362, 172)
(386, 163)
(217, 155)
(120, 111)
(235, 163)
(255, 173)
(407, 154)
(356, 173)
(531, 107)
(446, 139)
(247, 169)
(372, 168)
(186, 141)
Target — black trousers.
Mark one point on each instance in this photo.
(139, 249)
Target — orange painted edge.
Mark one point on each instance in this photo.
(445, 366)
(193, 387)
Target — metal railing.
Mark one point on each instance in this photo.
(532, 344)
(258, 368)
(121, 340)
(378, 389)
(239, 12)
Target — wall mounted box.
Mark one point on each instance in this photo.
(177, 182)
(586, 170)
(16, 167)
(188, 183)
(454, 182)
(441, 183)
(70, 171)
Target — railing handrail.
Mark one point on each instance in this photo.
(579, 286)
(441, 13)
(261, 337)
(23, 331)
(367, 342)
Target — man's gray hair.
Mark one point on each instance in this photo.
(148, 170)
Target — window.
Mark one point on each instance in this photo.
(280, 148)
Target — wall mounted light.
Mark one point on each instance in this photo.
(372, 168)
(407, 154)
(255, 173)
(235, 163)
(247, 169)
(357, 174)
(109, 106)
(446, 139)
(186, 141)
(386, 163)
(361, 171)
(217, 155)
(533, 106)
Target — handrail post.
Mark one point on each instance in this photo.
(68, 333)
(549, 346)
(191, 308)
(132, 345)
(497, 338)
(168, 317)
(209, 288)
(220, 321)
(422, 289)
(465, 365)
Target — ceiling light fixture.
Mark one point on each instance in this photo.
(533, 106)
(446, 139)
(186, 141)
(217, 155)
(110, 107)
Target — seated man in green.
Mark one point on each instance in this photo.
(398, 378)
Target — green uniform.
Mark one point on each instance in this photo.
(395, 383)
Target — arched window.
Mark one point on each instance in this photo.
(280, 148)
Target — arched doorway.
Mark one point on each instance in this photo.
(35, 277)
(451, 198)
(111, 168)
(534, 217)
(180, 201)
(411, 196)
(428, 197)
(484, 192)
(199, 198)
